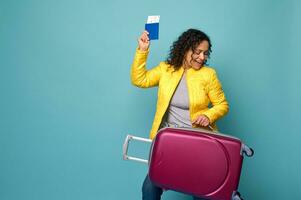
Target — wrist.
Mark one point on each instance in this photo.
(142, 49)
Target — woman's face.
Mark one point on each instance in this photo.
(197, 58)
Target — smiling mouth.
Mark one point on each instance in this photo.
(198, 62)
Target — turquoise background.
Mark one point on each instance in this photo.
(67, 102)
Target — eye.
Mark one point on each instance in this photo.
(197, 52)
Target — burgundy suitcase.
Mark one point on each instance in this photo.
(197, 162)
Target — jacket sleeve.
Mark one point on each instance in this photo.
(140, 76)
(218, 100)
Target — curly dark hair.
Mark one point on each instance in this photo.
(189, 39)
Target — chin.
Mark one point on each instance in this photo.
(197, 67)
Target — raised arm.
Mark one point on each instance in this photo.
(140, 76)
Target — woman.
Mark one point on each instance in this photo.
(187, 87)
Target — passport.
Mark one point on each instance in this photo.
(152, 27)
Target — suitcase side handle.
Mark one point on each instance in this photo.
(126, 146)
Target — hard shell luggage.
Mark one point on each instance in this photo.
(195, 161)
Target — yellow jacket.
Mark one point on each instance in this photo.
(203, 88)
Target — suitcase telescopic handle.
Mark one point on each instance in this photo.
(126, 146)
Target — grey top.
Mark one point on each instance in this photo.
(177, 115)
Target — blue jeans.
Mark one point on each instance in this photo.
(152, 192)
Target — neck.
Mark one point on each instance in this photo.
(185, 66)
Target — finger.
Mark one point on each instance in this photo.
(145, 33)
(202, 121)
(140, 38)
(199, 121)
(145, 37)
(206, 123)
(194, 121)
(142, 35)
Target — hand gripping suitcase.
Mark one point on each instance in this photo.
(197, 162)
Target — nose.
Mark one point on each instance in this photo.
(202, 56)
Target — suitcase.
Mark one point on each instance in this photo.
(197, 162)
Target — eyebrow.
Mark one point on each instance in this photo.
(200, 50)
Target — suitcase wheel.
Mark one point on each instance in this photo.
(247, 150)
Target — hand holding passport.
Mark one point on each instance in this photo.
(143, 41)
(151, 32)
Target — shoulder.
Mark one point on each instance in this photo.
(208, 73)
(165, 67)
(208, 70)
